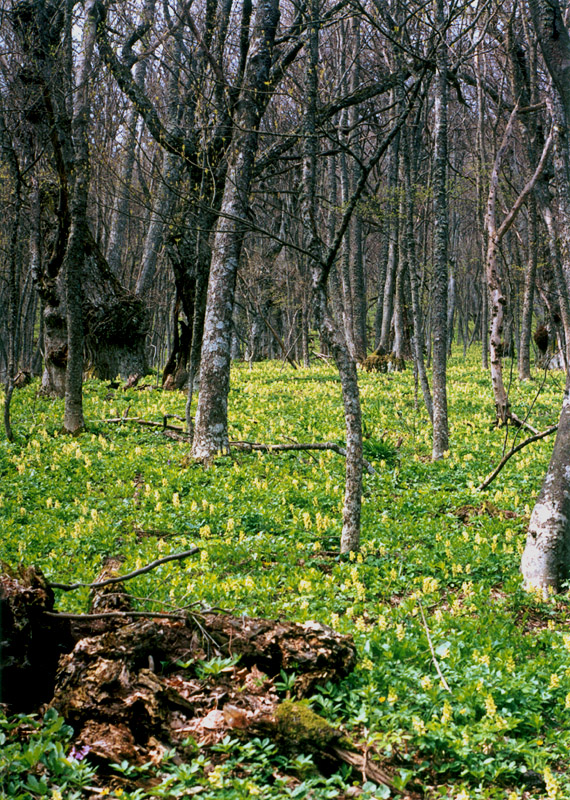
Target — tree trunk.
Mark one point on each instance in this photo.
(450, 310)
(73, 262)
(481, 168)
(410, 247)
(495, 234)
(117, 241)
(11, 159)
(357, 276)
(439, 284)
(393, 235)
(330, 335)
(211, 432)
(528, 297)
(546, 559)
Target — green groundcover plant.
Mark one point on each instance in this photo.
(436, 580)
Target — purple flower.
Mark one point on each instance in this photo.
(79, 754)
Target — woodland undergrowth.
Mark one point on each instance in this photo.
(435, 586)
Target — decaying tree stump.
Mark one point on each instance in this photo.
(127, 685)
(30, 642)
(134, 689)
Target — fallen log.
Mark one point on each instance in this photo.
(177, 433)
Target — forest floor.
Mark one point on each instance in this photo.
(461, 687)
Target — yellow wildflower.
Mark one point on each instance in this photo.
(418, 725)
(447, 714)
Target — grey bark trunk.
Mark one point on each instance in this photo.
(211, 431)
(331, 336)
(117, 236)
(73, 263)
(495, 234)
(410, 247)
(481, 167)
(393, 233)
(347, 299)
(171, 173)
(546, 559)
(450, 310)
(528, 296)
(357, 275)
(439, 285)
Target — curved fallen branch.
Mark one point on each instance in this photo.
(270, 448)
(68, 587)
(174, 432)
(522, 423)
(490, 478)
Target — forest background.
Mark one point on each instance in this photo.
(188, 185)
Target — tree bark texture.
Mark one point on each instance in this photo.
(528, 297)
(121, 211)
(410, 247)
(495, 234)
(331, 336)
(73, 261)
(211, 431)
(357, 276)
(393, 235)
(114, 324)
(546, 559)
(441, 226)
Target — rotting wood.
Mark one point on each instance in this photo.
(128, 686)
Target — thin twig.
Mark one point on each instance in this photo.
(444, 683)
(68, 587)
(527, 415)
(490, 478)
